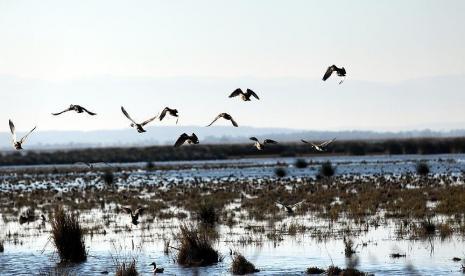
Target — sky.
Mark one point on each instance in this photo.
(405, 62)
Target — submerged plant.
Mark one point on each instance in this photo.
(68, 237)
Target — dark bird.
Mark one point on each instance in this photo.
(244, 96)
(225, 116)
(190, 139)
(172, 112)
(77, 108)
(140, 126)
(18, 144)
(290, 209)
(261, 146)
(157, 269)
(320, 147)
(134, 215)
(341, 72)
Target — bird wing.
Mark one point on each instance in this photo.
(236, 93)
(127, 115)
(234, 122)
(269, 141)
(194, 137)
(83, 163)
(253, 139)
(327, 142)
(139, 211)
(25, 136)
(66, 110)
(13, 131)
(217, 117)
(297, 204)
(306, 142)
(249, 91)
(88, 112)
(149, 120)
(181, 140)
(126, 210)
(329, 71)
(163, 113)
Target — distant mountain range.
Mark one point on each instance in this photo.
(167, 135)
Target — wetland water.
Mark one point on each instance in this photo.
(266, 241)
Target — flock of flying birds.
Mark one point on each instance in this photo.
(185, 138)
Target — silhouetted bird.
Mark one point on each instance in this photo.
(261, 146)
(341, 72)
(244, 96)
(77, 108)
(139, 127)
(157, 269)
(225, 116)
(18, 144)
(289, 208)
(134, 215)
(172, 112)
(320, 147)
(192, 139)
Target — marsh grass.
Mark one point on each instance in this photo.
(327, 169)
(195, 248)
(301, 163)
(126, 268)
(348, 247)
(68, 237)
(2, 248)
(280, 172)
(207, 213)
(315, 270)
(241, 266)
(422, 168)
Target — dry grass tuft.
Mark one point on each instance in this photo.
(241, 266)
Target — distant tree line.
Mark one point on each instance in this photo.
(206, 152)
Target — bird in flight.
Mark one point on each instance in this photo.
(320, 147)
(18, 144)
(244, 96)
(139, 127)
(341, 72)
(134, 215)
(261, 146)
(290, 209)
(172, 112)
(190, 139)
(225, 116)
(92, 165)
(77, 108)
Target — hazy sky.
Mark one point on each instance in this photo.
(107, 53)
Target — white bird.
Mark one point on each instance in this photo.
(341, 72)
(244, 96)
(18, 144)
(92, 165)
(225, 116)
(261, 146)
(140, 126)
(134, 215)
(320, 147)
(290, 209)
(190, 139)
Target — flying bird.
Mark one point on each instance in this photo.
(92, 165)
(172, 112)
(18, 144)
(134, 215)
(290, 209)
(157, 269)
(261, 146)
(244, 96)
(320, 147)
(77, 108)
(341, 72)
(140, 126)
(225, 116)
(190, 139)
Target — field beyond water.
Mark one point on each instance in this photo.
(382, 215)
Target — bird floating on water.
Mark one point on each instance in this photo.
(134, 215)
(170, 111)
(341, 72)
(18, 144)
(77, 108)
(139, 127)
(261, 146)
(244, 96)
(157, 269)
(320, 147)
(190, 139)
(290, 209)
(225, 116)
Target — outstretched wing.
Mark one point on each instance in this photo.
(297, 204)
(253, 139)
(139, 211)
(126, 210)
(269, 141)
(234, 122)
(13, 131)
(149, 120)
(84, 163)
(329, 71)
(25, 136)
(163, 113)
(127, 115)
(181, 140)
(249, 91)
(217, 117)
(88, 112)
(327, 142)
(306, 142)
(236, 93)
(66, 110)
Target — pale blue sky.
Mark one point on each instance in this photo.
(49, 50)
